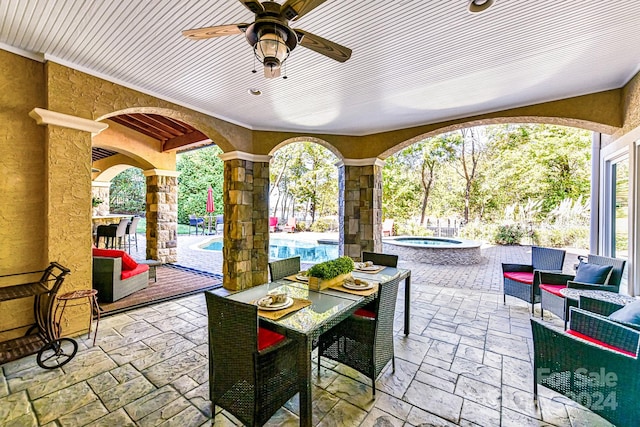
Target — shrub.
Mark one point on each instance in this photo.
(411, 229)
(561, 237)
(333, 268)
(301, 226)
(324, 224)
(477, 230)
(509, 234)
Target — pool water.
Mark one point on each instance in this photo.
(285, 248)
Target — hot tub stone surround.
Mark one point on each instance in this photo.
(466, 253)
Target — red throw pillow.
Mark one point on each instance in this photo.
(128, 263)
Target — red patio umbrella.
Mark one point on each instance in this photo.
(211, 207)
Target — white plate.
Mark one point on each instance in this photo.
(355, 287)
(272, 307)
(370, 268)
(302, 277)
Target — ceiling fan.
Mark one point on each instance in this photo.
(270, 35)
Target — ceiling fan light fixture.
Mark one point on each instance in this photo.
(479, 6)
(271, 50)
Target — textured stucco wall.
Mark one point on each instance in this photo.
(630, 106)
(93, 98)
(22, 179)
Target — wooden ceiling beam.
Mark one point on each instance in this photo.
(154, 122)
(187, 139)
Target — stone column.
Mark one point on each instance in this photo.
(162, 215)
(360, 206)
(246, 220)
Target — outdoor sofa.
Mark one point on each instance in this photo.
(116, 274)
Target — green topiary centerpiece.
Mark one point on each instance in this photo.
(330, 273)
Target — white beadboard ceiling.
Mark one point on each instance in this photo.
(414, 61)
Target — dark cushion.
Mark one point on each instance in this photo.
(593, 273)
(630, 313)
(525, 277)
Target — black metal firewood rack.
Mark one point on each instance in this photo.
(43, 337)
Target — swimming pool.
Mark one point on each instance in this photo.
(434, 250)
(309, 251)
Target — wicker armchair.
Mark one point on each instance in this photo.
(595, 363)
(380, 259)
(522, 280)
(252, 371)
(284, 267)
(364, 341)
(552, 283)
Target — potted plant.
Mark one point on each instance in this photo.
(330, 273)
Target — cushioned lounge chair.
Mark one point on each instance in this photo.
(116, 274)
(522, 280)
(595, 363)
(551, 283)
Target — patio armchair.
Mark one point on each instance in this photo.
(523, 281)
(273, 224)
(598, 273)
(116, 274)
(364, 340)
(284, 267)
(252, 371)
(290, 226)
(594, 363)
(197, 222)
(219, 224)
(387, 227)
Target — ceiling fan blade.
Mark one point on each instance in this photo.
(253, 5)
(216, 31)
(323, 46)
(297, 8)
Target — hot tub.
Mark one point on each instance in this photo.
(434, 250)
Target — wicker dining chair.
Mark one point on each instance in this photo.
(551, 283)
(596, 363)
(284, 267)
(252, 371)
(522, 280)
(364, 340)
(380, 259)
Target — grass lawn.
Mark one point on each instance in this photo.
(142, 227)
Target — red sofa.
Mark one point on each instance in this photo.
(116, 274)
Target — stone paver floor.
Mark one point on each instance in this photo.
(467, 362)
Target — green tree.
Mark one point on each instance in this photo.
(199, 169)
(128, 192)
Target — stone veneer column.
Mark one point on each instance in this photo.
(360, 206)
(162, 215)
(246, 220)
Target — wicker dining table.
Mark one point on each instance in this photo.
(328, 308)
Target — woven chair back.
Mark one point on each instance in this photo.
(284, 267)
(233, 342)
(380, 259)
(617, 270)
(547, 258)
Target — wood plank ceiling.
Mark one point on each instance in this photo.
(414, 62)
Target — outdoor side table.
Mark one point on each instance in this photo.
(572, 296)
(79, 297)
(153, 264)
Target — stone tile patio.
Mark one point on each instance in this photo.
(467, 362)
